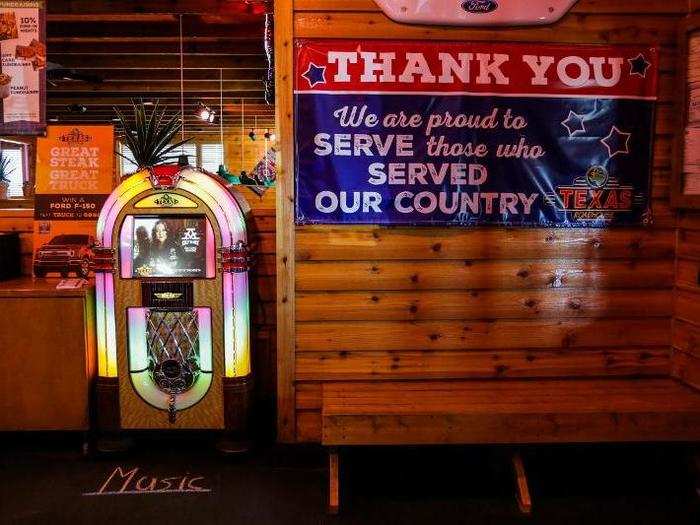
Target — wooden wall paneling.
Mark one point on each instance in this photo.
(681, 106)
(478, 364)
(308, 426)
(327, 243)
(573, 28)
(284, 63)
(686, 323)
(686, 367)
(385, 304)
(495, 334)
(484, 274)
(489, 304)
(253, 150)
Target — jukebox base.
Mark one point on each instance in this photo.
(109, 439)
(237, 397)
(237, 400)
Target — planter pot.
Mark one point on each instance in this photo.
(28, 189)
(4, 186)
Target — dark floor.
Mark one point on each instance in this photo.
(46, 480)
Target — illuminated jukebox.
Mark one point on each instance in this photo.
(172, 312)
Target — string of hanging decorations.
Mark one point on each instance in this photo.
(270, 56)
(263, 175)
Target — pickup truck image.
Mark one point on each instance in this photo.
(65, 254)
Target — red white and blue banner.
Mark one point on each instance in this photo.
(454, 133)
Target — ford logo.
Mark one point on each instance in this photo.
(479, 6)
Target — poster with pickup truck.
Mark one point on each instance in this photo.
(74, 177)
(22, 67)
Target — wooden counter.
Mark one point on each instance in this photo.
(47, 347)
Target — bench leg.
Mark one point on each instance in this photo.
(696, 464)
(333, 481)
(523, 491)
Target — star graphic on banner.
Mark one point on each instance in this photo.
(574, 123)
(315, 74)
(639, 65)
(617, 142)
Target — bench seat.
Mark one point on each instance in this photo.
(509, 411)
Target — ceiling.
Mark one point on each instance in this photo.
(133, 48)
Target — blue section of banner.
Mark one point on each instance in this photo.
(535, 161)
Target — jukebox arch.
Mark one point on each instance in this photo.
(173, 316)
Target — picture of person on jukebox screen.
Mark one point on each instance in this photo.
(168, 247)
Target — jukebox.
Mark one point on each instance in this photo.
(171, 270)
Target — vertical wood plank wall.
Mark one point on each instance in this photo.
(686, 323)
(377, 303)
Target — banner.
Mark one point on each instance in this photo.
(22, 67)
(448, 133)
(74, 177)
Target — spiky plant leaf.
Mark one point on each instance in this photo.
(5, 169)
(149, 137)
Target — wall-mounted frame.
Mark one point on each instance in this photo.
(683, 196)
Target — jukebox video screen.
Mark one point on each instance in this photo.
(169, 246)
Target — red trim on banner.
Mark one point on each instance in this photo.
(482, 68)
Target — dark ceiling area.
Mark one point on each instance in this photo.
(105, 54)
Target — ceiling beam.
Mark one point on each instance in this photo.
(231, 87)
(191, 75)
(109, 112)
(121, 7)
(191, 27)
(159, 61)
(168, 99)
(118, 46)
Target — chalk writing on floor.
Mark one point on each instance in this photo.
(122, 481)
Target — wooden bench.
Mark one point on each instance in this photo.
(506, 412)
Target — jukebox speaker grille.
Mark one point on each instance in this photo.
(173, 349)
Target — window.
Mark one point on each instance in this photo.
(15, 168)
(129, 166)
(211, 156)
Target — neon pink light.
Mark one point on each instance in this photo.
(211, 251)
(229, 336)
(126, 237)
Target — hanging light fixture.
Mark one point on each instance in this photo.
(252, 134)
(205, 113)
(77, 108)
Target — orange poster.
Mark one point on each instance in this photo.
(74, 177)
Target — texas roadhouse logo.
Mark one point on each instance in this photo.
(595, 196)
